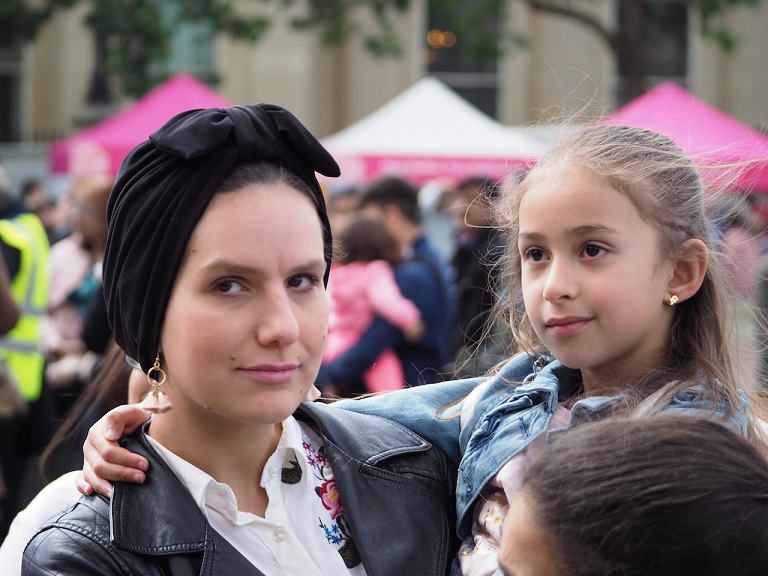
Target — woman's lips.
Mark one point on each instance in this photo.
(272, 373)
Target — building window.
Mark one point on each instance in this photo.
(464, 57)
(191, 44)
(10, 95)
(664, 38)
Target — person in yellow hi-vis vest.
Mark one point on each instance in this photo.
(26, 428)
(20, 348)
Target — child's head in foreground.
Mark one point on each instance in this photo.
(653, 496)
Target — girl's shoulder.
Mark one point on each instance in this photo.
(698, 399)
(519, 370)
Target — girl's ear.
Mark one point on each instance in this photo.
(689, 269)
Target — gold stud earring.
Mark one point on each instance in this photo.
(156, 402)
(673, 300)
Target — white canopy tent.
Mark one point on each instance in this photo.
(430, 132)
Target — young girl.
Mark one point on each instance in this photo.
(218, 252)
(625, 310)
(363, 285)
(658, 496)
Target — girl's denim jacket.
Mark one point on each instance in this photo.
(515, 407)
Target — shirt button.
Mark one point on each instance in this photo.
(273, 470)
(279, 536)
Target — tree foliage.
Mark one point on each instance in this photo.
(625, 38)
(20, 20)
(134, 35)
(469, 14)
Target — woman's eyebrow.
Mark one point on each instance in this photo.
(229, 267)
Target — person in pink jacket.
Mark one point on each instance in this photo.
(364, 286)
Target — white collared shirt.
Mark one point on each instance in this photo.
(304, 530)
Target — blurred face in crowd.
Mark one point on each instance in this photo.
(469, 208)
(88, 208)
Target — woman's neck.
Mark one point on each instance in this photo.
(232, 453)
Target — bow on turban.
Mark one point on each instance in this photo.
(162, 189)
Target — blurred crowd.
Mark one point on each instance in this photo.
(415, 279)
(413, 294)
(414, 282)
(52, 251)
(743, 230)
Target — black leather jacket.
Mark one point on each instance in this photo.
(397, 490)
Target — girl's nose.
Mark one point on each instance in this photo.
(561, 281)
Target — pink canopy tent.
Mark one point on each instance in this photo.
(720, 144)
(101, 148)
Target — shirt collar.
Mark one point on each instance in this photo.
(207, 492)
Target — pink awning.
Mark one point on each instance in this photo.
(101, 148)
(721, 145)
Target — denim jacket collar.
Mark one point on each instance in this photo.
(507, 417)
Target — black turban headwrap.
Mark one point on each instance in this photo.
(161, 191)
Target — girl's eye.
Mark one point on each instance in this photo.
(228, 286)
(593, 251)
(303, 281)
(534, 255)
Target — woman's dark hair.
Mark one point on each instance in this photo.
(366, 240)
(107, 388)
(661, 495)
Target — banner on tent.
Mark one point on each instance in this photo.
(422, 169)
(87, 156)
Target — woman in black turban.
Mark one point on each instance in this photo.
(162, 190)
(217, 256)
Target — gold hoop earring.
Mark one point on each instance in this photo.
(156, 402)
(673, 300)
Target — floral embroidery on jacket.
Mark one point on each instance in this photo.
(337, 530)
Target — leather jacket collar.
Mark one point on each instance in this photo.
(176, 527)
(359, 448)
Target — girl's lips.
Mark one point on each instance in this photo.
(566, 326)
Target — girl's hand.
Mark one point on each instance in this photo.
(105, 460)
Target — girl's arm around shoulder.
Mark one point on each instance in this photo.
(433, 410)
(104, 459)
(423, 410)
